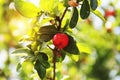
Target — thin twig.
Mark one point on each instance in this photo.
(49, 47)
(54, 63)
(54, 60)
(64, 13)
(60, 21)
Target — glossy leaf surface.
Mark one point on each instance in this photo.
(47, 32)
(93, 4)
(74, 18)
(72, 45)
(85, 9)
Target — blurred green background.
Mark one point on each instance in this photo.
(99, 43)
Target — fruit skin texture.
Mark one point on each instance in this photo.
(109, 13)
(60, 40)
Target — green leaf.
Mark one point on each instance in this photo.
(41, 70)
(22, 52)
(93, 4)
(46, 5)
(85, 9)
(47, 32)
(46, 37)
(18, 67)
(26, 9)
(42, 57)
(52, 7)
(84, 48)
(78, 1)
(98, 13)
(48, 29)
(75, 57)
(46, 64)
(27, 67)
(72, 47)
(74, 19)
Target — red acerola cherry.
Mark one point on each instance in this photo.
(109, 13)
(60, 40)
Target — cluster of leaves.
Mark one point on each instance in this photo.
(51, 13)
(86, 7)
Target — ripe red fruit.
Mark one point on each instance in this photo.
(60, 40)
(109, 13)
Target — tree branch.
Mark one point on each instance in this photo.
(60, 20)
(64, 13)
(55, 50)
(54, 63)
